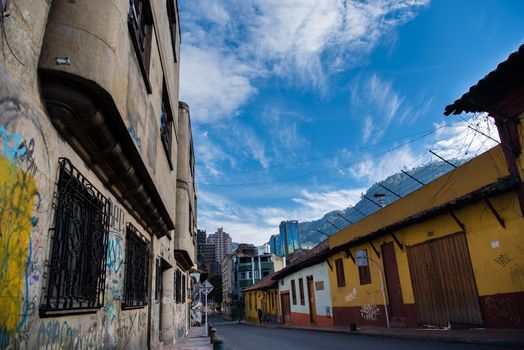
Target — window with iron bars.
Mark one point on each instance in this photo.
(166, 124)
(136, 269)
(178, 287)
(140, 23)
(158, 280)
(76, 268)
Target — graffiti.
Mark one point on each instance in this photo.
(116, 219)
(18, 151)
(136, 139)
(502, 308)
(351, 296)
(503, 260)
(18, 198)
(517, 276)
(369, 312)
(61, 335)
(114, 254)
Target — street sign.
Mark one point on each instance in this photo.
(361, 258)
(206, 287)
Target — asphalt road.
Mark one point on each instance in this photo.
(246, 337)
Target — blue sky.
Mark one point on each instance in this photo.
(298, 106)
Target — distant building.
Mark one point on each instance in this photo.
(201, 242)
(222, 243)
(274, 245)
(289, 237)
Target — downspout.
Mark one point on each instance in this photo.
(150, 292)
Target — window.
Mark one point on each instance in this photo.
(184, 288)
(136, 269)
(242, 275)
(158, 280)
(293, 292)
(171, 15)
(364, 273)
(341, 279)
(140, 23)
(166, 126)
(301, 289)
(76, 274)
(178, 287)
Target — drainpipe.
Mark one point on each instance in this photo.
(150, 288)
(253, 269)
(259, 269)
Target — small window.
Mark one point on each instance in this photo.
(158, 280)
(184, 288)
(171, 15)
(136, 269)
(293, 292)
(364, 273)
(178, 287)
(242, 275)
(301, 290)
(341, 278)
(166, 127)
(76, 275)
(140, 23)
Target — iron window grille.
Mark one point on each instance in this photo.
(76, 269)
(364, 274)
(166, 124)
(136, 269)
(140, 23)
(183, 288)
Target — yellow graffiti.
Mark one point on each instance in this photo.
(17, 198)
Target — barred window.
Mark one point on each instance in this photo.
(364, 274)
(158, 280)
(301, 290)
(293, 292)
(183, 288)
(136, 269)
(76, 269)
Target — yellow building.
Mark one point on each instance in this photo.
(262, 295)
(451, 252)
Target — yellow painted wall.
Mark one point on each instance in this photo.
(478, 172)
(497, 270)
(260, 299)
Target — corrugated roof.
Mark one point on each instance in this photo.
(494, 88)
(264, 283)
(308, 258)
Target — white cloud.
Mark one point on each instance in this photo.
(228, 44)
(368, 128)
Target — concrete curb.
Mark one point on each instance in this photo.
(430, 338)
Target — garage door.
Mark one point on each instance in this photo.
(443, 282)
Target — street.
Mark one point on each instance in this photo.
(247, 337)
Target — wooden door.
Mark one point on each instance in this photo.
(286, 308)
(311, 299)
(443, 282)
(393, 286)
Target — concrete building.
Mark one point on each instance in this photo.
(97, 171)
(222, 243)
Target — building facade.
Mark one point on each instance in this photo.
(97, 172)
(222, 242)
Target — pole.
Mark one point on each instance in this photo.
(382, 288)
(207, 334)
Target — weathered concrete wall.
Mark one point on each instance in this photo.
(95, 37)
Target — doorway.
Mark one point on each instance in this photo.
(443, 282)
(286, 308)
(394, 288)
(311, 299)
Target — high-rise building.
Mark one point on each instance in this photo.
(222, 242)
(289, 237)
(201, 242)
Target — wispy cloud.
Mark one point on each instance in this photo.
(229, 44)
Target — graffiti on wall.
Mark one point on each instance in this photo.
(502, 308)
(18, 199)
(503, 260)
(369, 312)
(351, 296)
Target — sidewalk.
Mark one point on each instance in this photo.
(195, 340)
(508, 337)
